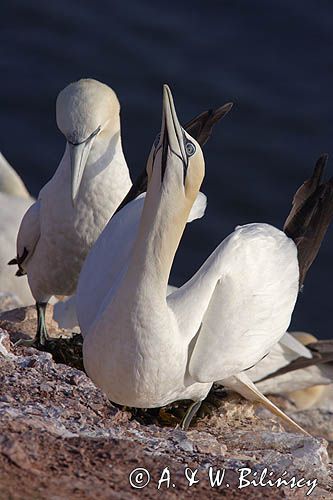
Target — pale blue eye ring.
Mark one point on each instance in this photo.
(190, 148)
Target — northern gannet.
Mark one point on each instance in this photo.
(14, 202)
(145, 349)
(72, 209)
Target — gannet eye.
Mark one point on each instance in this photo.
(190, 148)
(157, 140)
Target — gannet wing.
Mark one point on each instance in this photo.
(292, 343)
(27, 237)
(255, 274)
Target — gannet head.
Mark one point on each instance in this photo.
(86, 111)
(175, 153)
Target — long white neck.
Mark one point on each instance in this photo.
(163, 220)
(10, 181)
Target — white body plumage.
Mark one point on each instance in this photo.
(148, 350)
(74, 206)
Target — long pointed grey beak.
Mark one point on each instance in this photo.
(79, 155)
(172, 135)
(79, 152)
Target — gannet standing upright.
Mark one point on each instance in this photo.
(14, 202)
(72, 209)
(145, 349)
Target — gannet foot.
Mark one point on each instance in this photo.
(26, 343)
(191, 412)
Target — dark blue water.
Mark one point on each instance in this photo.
(273, 58)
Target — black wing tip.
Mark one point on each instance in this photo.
(323, 157)
(223, 110)
(319, 168)
(12, 262)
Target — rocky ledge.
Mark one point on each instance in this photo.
(61, 439)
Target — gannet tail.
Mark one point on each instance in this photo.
(310, 216)
(245, 387)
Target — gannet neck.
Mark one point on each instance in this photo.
(10, 181)
(161, 227)
(176, 169)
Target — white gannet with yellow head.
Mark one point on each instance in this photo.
(146, 349)
(72, 209)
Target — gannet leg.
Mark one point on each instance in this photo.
(192, 410)
(42, 336)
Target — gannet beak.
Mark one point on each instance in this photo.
(79, 153)
(172, 135)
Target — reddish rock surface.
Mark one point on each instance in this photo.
(61, 439)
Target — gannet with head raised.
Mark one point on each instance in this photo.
(72, 209)
(145, 349)
(14, 202)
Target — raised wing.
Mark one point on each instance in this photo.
(27, 237)
(256, 284)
